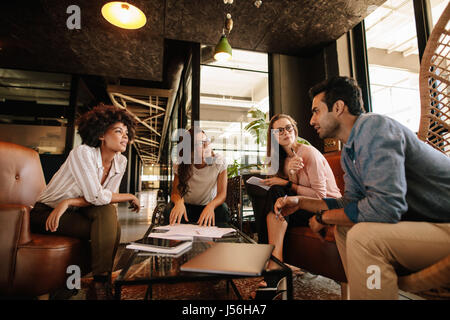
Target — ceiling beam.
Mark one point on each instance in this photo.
(139, 91)
(122, 96)
(136, 117)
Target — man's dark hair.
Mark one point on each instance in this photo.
(94, 123)
(340, 88)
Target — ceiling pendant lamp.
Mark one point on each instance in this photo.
(223, 49)
(124, 15)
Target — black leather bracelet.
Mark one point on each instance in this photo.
(289, 185)
(319, 217)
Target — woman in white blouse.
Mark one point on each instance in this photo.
(78, 200)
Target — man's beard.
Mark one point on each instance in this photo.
(331, 130)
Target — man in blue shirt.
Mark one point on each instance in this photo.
(396, 206)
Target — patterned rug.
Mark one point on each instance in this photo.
(305, 287)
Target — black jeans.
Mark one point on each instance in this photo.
(263, 202)
(222, 215)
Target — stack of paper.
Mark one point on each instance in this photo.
(189, 231)
(159, 245)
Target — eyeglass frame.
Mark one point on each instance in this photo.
(204, 142)
(280, 130)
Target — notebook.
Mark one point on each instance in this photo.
(257, 182)
(244, 259)
(160, 245)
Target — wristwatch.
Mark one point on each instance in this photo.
(289, 185)
(319, 217)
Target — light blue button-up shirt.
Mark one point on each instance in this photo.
(391, 175)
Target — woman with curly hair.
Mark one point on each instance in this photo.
(199, 189)
(78, 201)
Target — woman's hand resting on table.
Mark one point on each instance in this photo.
(177, 213)
(207, 218)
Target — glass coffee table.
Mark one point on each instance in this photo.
(159, 268)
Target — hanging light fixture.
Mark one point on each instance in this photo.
(223, 49)
(124, 15)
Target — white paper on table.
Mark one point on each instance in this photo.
(178, 249)
(193, 230)
(257, 182)
(170, 237)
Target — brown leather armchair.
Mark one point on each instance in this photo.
(30, 264)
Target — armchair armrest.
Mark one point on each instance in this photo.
(14, 231)
(14, 225)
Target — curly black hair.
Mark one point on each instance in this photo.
(94, 123)
(340, 88)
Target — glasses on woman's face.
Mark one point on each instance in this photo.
(204, 142)
(280, 131)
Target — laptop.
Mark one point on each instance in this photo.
(244, 259)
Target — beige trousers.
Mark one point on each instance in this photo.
(371, 252)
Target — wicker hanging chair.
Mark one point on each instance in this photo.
(435, 130)
(434, 82)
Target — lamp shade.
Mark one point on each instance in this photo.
(223, 49)
(124, 15)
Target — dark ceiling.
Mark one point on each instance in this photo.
(33, 35)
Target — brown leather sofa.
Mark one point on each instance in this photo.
(30, 264)
(303, 248)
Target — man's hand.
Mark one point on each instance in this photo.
(177, 213)
(135, 205)
(286, 206)
(316, 227)
(52, 222)
(207, 218)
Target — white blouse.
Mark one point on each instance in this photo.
(80, 176)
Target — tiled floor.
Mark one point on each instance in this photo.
(134, 224)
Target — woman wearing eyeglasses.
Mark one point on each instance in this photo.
(302, 170)
(200, 185)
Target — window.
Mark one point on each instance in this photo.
(34, 109)
(437, 7)
(393, 58)
(228, 91)
(394, 62)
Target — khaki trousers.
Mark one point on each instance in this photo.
(371, 253)
(99, 224)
